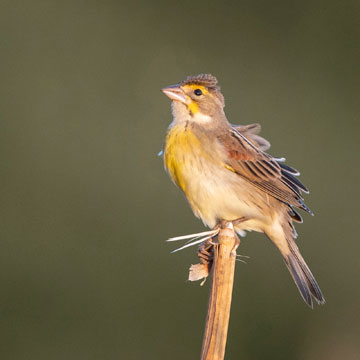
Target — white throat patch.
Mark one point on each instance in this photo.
(201, 118)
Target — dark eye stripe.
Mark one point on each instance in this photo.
(197, 92)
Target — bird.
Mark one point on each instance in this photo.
(226, 174)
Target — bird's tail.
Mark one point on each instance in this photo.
(302, 276)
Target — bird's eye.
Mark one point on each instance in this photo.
(197, 92)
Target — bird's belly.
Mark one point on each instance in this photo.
(216, 193)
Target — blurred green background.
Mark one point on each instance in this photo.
(85, 202)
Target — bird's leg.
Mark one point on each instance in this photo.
(239, 220)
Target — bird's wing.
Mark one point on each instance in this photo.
(251, 133)
(262, 170)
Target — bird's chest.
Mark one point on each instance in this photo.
(182, 151)
(213, 191)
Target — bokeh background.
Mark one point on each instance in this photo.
(86, 206)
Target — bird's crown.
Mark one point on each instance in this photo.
(206, 80)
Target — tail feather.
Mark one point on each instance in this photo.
(302, 276)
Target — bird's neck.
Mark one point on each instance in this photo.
(182, 114)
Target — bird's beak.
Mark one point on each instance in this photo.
(174, 92)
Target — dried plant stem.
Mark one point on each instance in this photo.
(217, 320)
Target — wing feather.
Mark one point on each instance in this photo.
(251, 133)
(246, 159)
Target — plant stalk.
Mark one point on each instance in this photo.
(218, 315)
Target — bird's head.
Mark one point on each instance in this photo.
(196, 98)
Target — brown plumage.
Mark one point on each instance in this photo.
(262, 170)
(251, 133)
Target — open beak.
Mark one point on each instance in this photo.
(175, 93)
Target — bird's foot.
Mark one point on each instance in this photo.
(206, 252)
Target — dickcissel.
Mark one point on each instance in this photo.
(226, 174)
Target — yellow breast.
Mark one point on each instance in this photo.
(181, 147)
